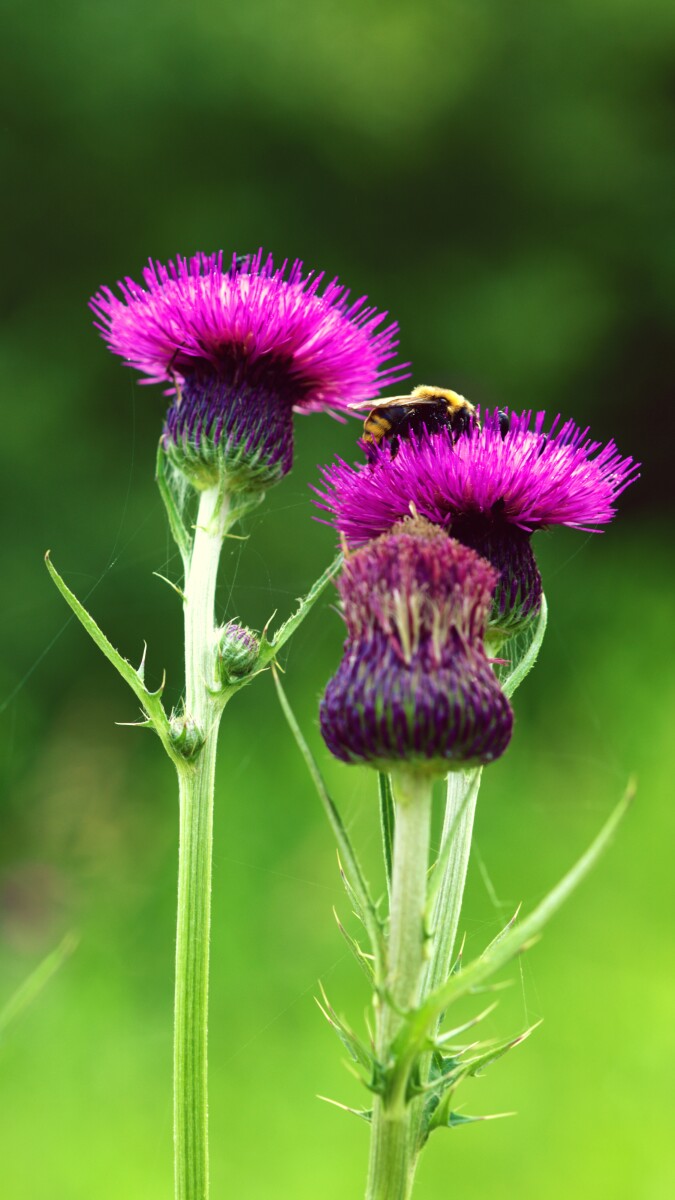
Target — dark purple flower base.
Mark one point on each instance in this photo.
(380, 710)
(237, 421)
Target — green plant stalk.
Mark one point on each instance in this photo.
(391, 1166)
(460, 808)
(196, 787)
(453, 862)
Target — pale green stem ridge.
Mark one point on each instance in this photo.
(195, 858)
(391, 1164)
(445, 899)
(460, 808)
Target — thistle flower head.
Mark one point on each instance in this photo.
(245, 345)
(414, 684)
(490, 490)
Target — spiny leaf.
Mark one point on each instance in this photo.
(455, 1119)
(174, 586)
(364, 960)
(444, 1039)
(269, 648)
(503, 932)
(349, 1039)
(179, 531)
(151, 702)
(355, 876)
(473, 780)
(414, 1033)
(37, 980)
(524, 656)
(351, 894)
(387, 819)
(491, 1055)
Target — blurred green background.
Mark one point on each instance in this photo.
(499, 175)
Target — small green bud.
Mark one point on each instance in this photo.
(237, 652)
(186, 736)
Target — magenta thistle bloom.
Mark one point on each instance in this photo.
(414, 685)
(490, 490)
(246, 345)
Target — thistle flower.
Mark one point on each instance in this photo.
(414, 685)
(245, 345)
(490, 491)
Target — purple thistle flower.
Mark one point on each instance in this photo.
(490, 490)
(246, 345)
(414, 684)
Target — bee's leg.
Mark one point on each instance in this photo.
(462, 422)
(542, 445)
(394, 443)
(370, 447)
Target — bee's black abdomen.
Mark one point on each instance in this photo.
(504, 422)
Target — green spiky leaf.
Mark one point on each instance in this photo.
(352, 1043)
(270, 647)
(36, 981)
(521, 653)
(387, 819)
(417, 1029)
(353, 874)
(171, 492)
(150, 701)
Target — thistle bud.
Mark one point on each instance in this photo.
(186, 736)
(237, 652)
(415, 685)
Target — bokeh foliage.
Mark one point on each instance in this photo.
(498, 175)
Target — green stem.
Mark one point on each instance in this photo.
(460, 808)
(196, 781)
(392, 1156)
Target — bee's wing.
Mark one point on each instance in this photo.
(386, 401)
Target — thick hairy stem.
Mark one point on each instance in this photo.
(392, 1156)
(194, 862)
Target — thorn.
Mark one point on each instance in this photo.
(444, 1038)
(363, 1113)
(492, 987)
(157, 694)
(140, 670)
(462, 1120)
(269, 622)
(502, 932)
(174, 586)
(457, 965)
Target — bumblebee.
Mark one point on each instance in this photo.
(396, 417)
